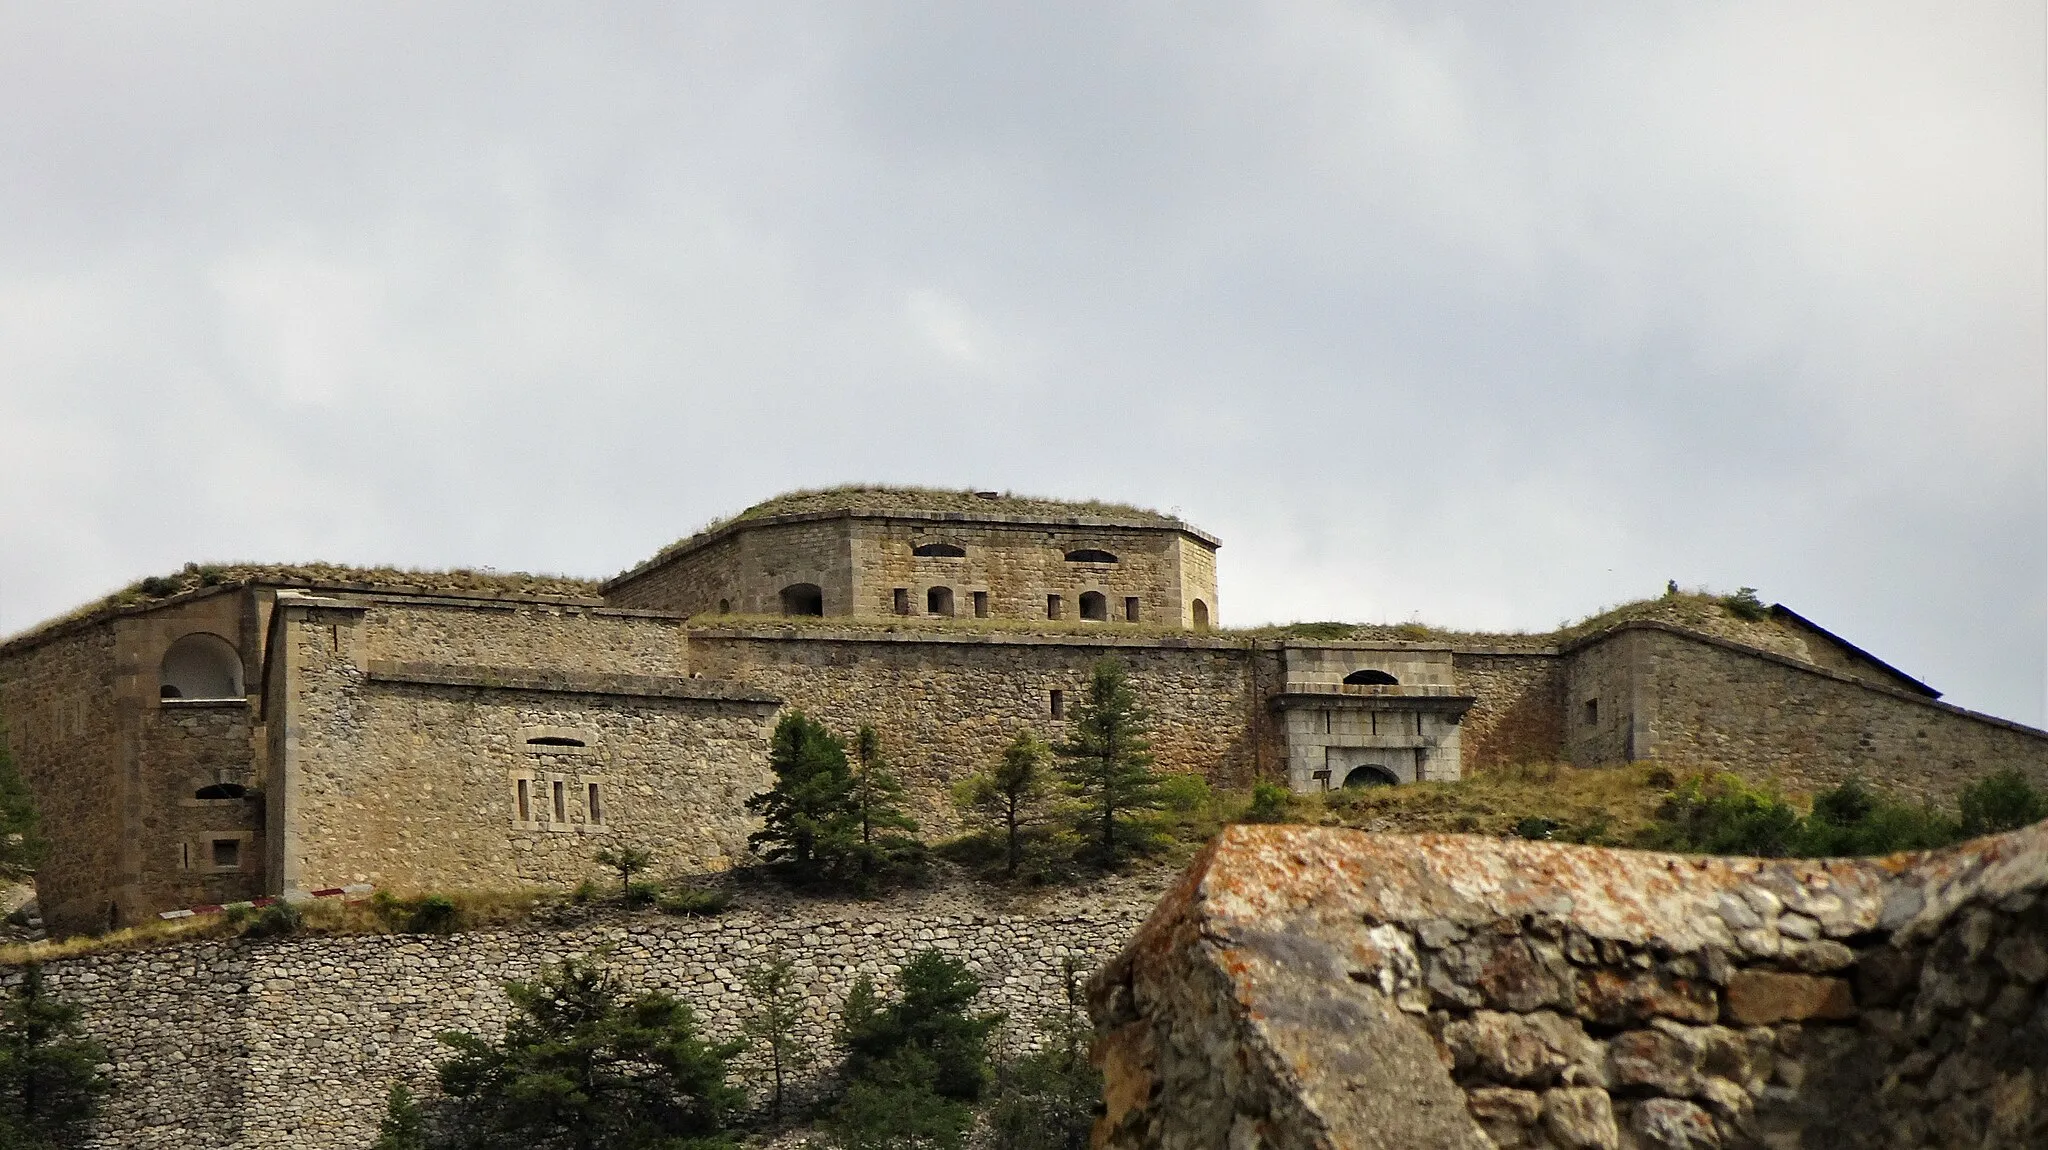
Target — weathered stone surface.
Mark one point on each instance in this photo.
(1761, 997)
(1580, 1118)
(1700, 1044)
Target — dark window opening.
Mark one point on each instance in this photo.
(227, 853)
(1371, 776)
(1095, 605)
(561, 802)
(1059, 704)
(939, 601)
(525, 800)
(1592, 712)
(1090, 555)
(221, 791)
(184, 856)
(168, 691)
(902, 600)
(1370, 677)
(940, 551)
(981, 604)
(1054, 609)
(1201, 615)
(803, 599)
(554, 741)
(1131, 609)
(725, 606)
(594, 805)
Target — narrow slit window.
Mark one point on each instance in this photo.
(981, 604)
(525, 800)
(561, 802)
(1059, 704)
(1592, 712)
(594, 804)
(184, 856)
(1130, 609)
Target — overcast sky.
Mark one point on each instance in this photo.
(1489, 316)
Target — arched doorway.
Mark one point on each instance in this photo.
(1095, 605)
(803, 599)
(1371, 775)
(939, 601)
(1201, 615)
(200, 666)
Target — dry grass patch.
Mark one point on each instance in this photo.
(1610, 806)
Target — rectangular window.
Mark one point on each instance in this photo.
(981, 604)
(1052, 607)
(561, 802)
(1131, 609)
(525, 800)
(593, 806)
(227, 854)
(1592, 712)
(903, 600)
(1059, 705)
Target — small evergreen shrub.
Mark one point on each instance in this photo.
(693, 901)
(274, 921)
(1270, 802)
(1745, 605)
(2005, 801)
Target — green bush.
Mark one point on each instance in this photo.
(1745, 605)
(1536, 827)
(1721, 814)
(1270, 803)
(2005, 801)
(433, 914)
(274, 921)
(915, 1063)
(50, 1079)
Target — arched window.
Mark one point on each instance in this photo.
(200, 666)
(1371, 776)
(1201, 615)
(803, 599)
(725, 606)
(1090, 555)
(1370, 677)
(1094, 605)
(939, 551)
(938, 601)
(221, 791)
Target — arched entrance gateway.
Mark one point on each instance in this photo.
(803, 599)
(1371, 775)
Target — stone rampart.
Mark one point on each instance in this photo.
(1318, 988)
(294, 1042)
(946, 704)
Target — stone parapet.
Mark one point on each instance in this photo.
(1318, 988)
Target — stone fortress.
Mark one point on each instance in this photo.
(240, 731)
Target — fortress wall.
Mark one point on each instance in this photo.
(410, 780)
(64, 729)
(1197, 581)
(514, 634)
(1018, 565)
(945, 707)
(295, 1042)
(750, 568)
(1519, 715)
(1707, 703)
(186, 746)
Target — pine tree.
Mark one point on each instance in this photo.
(403, 1127)
(809, 803)
(774, 1012)
(874, 802)
(1107, 765)
(915, 1063)
(1008, 798)
(583, 1067)
(50, 1081)
(626, 860)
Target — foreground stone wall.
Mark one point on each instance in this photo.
(1317, 988)
(295, 1042)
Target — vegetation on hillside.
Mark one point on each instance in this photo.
(50, 1079)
